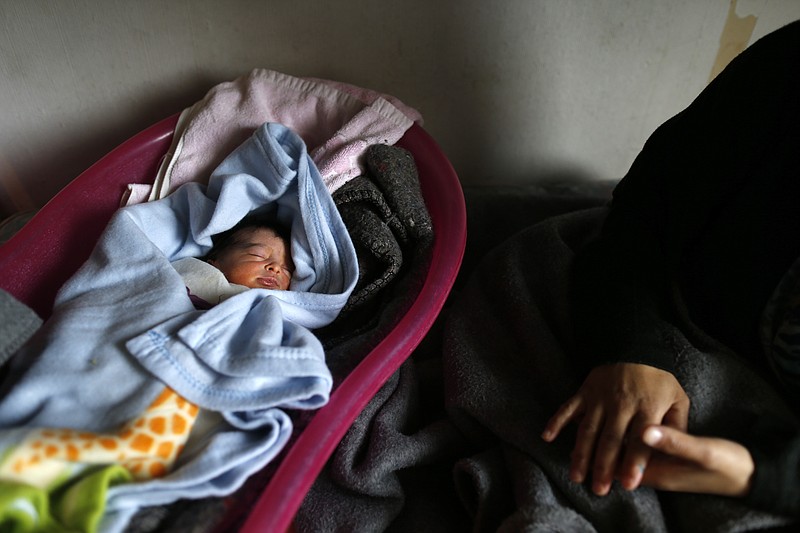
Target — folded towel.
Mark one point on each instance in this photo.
(337, 122)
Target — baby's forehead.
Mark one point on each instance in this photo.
(257, 233)
(259, 236)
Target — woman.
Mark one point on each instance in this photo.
(710, 210)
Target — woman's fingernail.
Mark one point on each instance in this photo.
(633, 480)
(601, 489)
(652, 436)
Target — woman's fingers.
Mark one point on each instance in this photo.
(613, 406)
(697, 464)
(636, 458)
(609, 449)
(573, 410)
(675, 443)
(678, 415)
(585, 441)
(637, 454)
(569, 411)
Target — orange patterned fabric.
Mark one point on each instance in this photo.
(147, 446)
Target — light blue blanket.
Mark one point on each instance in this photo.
(123, 326)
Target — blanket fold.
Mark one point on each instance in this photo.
(17, 323)
(337, 121)
(385, 213)
(508, 361)
(123, 326)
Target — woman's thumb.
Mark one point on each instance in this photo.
(668, 440)
(653, 436)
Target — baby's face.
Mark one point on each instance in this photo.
(259, 259)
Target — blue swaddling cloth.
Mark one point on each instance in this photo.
(123, 326)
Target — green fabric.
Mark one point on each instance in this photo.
(76, 506)
(81, 504)
(23, 509)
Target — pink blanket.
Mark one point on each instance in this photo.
(337, 121)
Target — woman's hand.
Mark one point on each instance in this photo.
(615, 404)
(696, 464)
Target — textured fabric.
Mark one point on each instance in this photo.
(337, 121)
(395, 172)
(452, 442)
(129, 328)
(370, 222)
(780, 331)
(17, 324)
(385, 213)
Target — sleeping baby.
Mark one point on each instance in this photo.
(157, 400)
(254, 254)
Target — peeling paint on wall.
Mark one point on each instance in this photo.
(734, 39)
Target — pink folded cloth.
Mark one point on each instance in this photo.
(336, 120)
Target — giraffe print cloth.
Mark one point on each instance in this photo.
(146, 447)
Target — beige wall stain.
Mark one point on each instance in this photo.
(734, 39)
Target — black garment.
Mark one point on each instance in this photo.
(711, 206)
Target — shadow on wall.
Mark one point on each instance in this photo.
(482, 77)
(440, 60)
(495, 82)
(69, 155)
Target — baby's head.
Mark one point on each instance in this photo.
(255, 253)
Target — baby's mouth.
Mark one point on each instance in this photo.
(268, 282)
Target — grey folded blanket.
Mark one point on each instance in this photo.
(452, 441)
(391, 228)
(17, 324)
(386, 216)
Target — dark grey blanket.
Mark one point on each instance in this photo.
(17, 324)
(451, 442)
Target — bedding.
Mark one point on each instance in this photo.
(383, 209)
(337, 121)
(126, 314)
(452, 441)
(385, 214)
(18, 324)
(389, 224)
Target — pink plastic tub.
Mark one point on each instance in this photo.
(37, 260)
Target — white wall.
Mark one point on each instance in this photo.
(515, 91)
